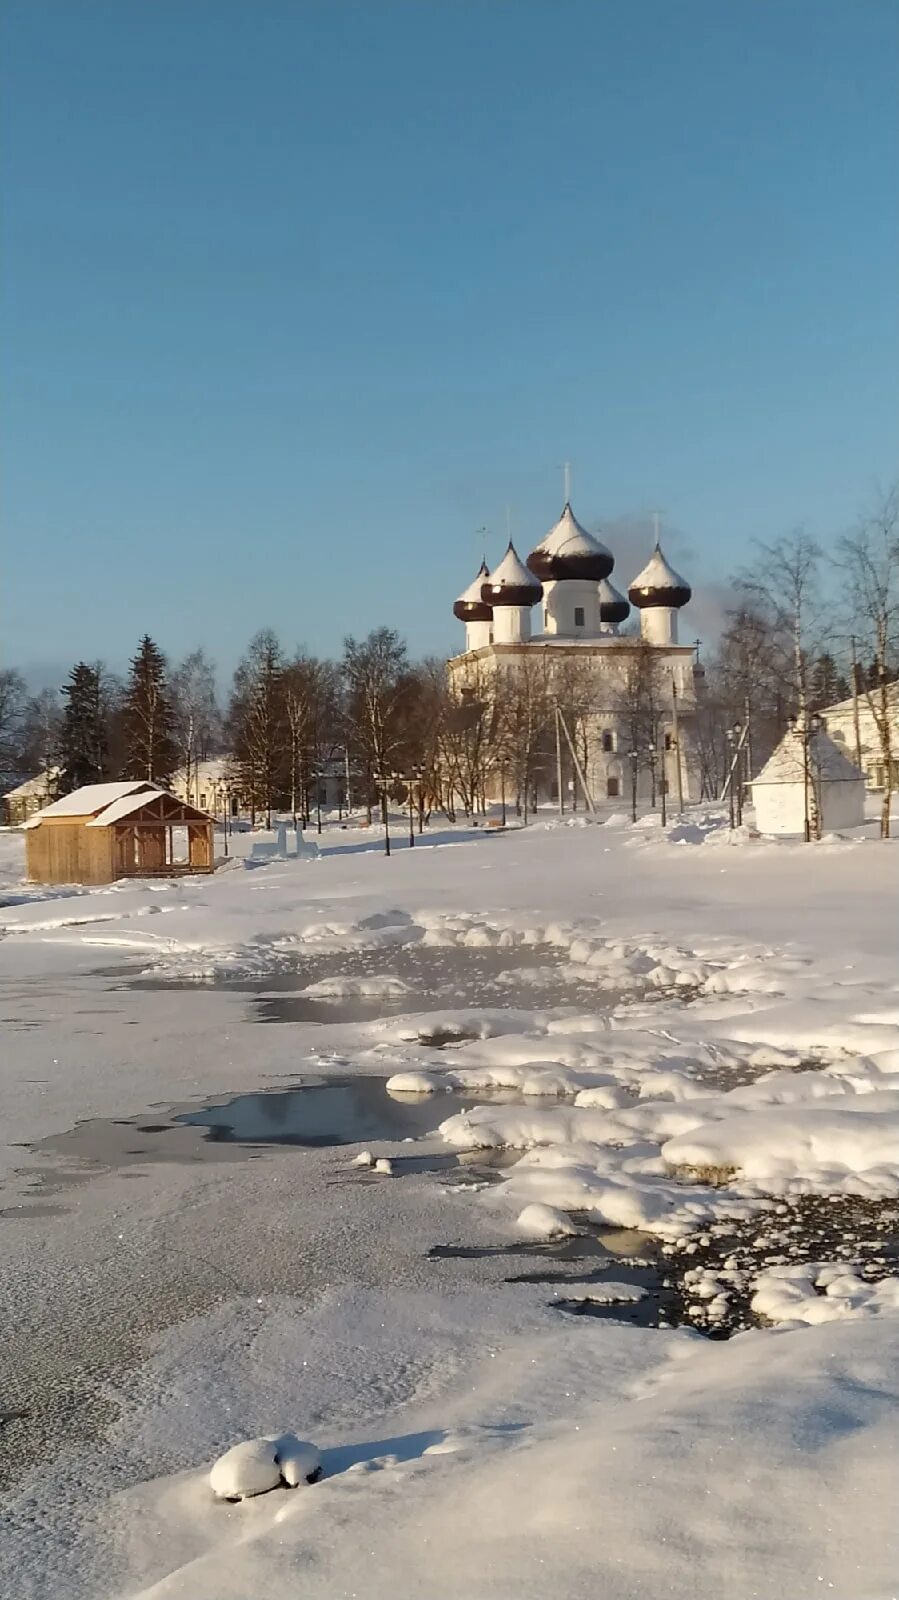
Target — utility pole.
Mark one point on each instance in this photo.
(677, 761)
(663, 765)
(559, 764)
(855, 716)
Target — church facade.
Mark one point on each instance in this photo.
(616, 705)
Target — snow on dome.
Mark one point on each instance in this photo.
(89, 800)
(612, 606)
(658, 584)
(569, 551)
(470, 607)
(511, 584)
(825, 759)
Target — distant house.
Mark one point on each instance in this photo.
(867, 752)
(107, 831)
(804, 772)
(22, 802)
(209, 785)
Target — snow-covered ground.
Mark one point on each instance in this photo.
(684, 1033)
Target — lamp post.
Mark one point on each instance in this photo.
(634, 759)
(664, 779)
(651, 752)
(223, 802)
(413, 779)
(735, 792)
(502, 790)
(383, 779)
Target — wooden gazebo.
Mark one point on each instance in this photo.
(107, 831)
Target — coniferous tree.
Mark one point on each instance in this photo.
(151, 750)
(256, 722)
(83, 752)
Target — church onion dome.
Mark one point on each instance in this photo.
(511, 584)
(612, 606)
(470, 607)
(569, 551)
(658, 584)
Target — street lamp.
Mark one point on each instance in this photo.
(223, 802)
(414, 778)
(634, 759)
(383, 781)
(735, 787)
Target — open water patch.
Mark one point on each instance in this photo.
(371, 984)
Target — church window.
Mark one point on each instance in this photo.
(608, 739)
(579, 616)
(613, 788)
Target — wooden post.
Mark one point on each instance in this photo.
(559, 764)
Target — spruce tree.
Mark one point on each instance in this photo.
(151, 751)
(82, 740)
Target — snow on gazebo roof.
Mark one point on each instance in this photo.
(470, 607)
(826, 760)
(612, 606)
(90, 799)
(658, 584)
(125, 806)
(511, 584)
(569, 551)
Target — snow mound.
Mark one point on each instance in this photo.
(382, 987)
(545, 1222)
(814, 1292)
(257, 1465)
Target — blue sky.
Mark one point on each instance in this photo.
(298, 295)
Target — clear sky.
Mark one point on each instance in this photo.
(298, 294)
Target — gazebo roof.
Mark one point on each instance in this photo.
(827, 763)
(90, 799)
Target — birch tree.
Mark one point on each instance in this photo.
(869, 563)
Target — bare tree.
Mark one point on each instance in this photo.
(869, 562)
(196, 714)
(642, 705)
(525, 713)
(375, 675)
(13, 700)
(784, 587)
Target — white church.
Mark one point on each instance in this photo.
(557, 619)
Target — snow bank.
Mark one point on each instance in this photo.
(821, 1292)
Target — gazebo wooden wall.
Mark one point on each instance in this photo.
(140, 845)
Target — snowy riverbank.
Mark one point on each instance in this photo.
(675, 1031)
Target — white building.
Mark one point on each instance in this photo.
(565, 585)
(808, 774)
(866, 750)
(27, 798)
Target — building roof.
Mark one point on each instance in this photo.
(827, 763)
(569, 551)
(511, 584)
(90, 799)
(846, 707)
(658, 584)
(37, 785)
(470, 607)
(612, 606)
